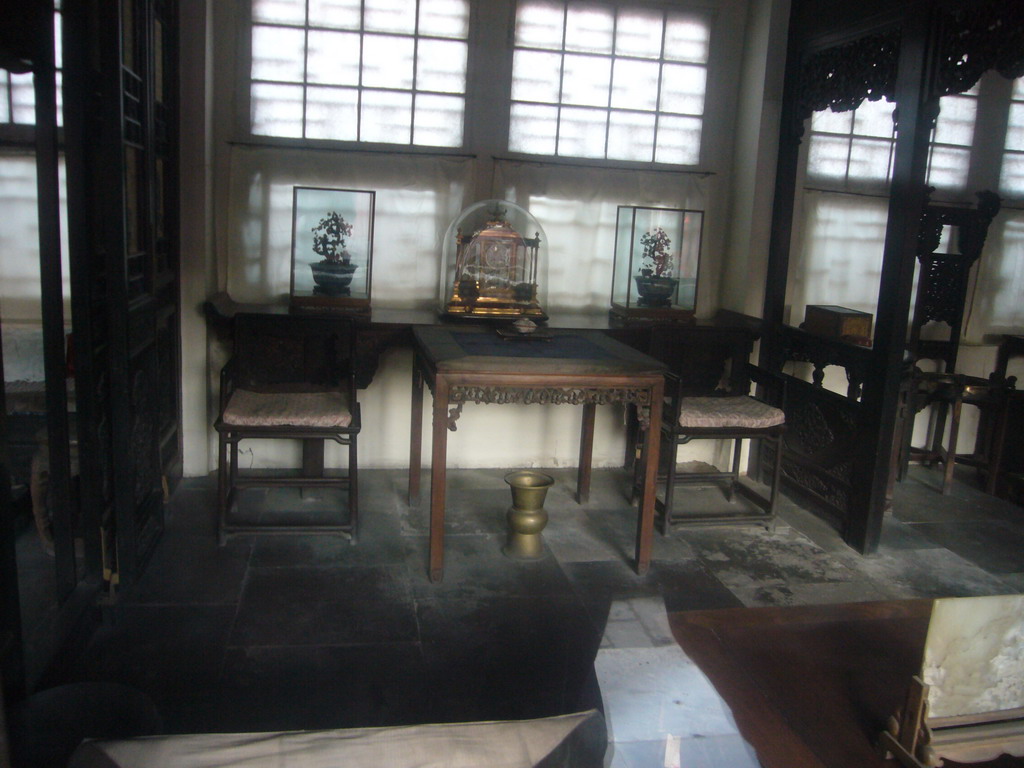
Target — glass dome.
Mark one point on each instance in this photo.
(494, 263)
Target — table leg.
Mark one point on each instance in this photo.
(645, 514)
(586, 454)
(416, 436)
(438, 462)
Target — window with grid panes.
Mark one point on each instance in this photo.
(380, 71)
(1011, 176)
(17, 94)
(855, 148)
(615, 82)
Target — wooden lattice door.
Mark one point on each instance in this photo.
(121, 106)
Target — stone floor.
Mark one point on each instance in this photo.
(287, 632)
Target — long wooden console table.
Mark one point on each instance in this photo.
(707, 344)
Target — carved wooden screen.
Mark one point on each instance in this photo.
(841, 54)
(122, 184)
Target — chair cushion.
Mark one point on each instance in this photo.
(287, 409)
(741, 412)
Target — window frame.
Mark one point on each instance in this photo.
(243, 107)
(488, 92)
(1014, 198)
(14, 134)
(880, 186)
(665, 9)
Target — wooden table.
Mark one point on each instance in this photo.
(473, 364)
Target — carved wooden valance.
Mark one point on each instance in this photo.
(977, 37)
(461, 394)
(842, 77)
(973, 38)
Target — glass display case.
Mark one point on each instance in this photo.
(332, 248)
(494, 264)
(657, 255)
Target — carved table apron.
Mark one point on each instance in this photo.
(473, 364)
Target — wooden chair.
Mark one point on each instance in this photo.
(945, 265)
(949, 392)
(949, 242)
(994, 399)
(724, 415)
(289, 377)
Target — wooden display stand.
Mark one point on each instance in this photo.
(849, 325)
(919, 742)
(965, 681)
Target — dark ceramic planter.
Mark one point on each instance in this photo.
(655, 291)
(333, 278)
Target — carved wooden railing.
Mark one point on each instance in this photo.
(823, 427)
(821, 352)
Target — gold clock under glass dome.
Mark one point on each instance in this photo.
(492, 270)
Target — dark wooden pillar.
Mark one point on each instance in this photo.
(786, 171)
(916, 113)
(121, 105)
(52, 292)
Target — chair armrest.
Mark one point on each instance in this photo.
(773, 384)
(227, 381)
(674, 394)
(351, 390)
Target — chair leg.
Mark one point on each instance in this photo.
(634, 447)
(232, 467)
(773, 497)
(670, 483)
(353, 489)
(950, 461)
(995, 451)
(634, 491)
(906, 436)
(222, 488)
(940, 429)
(730, 493)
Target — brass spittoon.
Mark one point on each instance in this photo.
(527, 516)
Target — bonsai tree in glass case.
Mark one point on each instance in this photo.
(655, 283)
(492, 267)
(333, 274)
(657, 253)
(332, 248)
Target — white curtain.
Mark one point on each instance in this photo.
(577, 208)
(417, 197)
(20, 291)
(840, 261)
(996, 304)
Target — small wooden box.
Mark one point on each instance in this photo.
(838, 323)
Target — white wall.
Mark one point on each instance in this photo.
(196, 207)
(756, 148)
